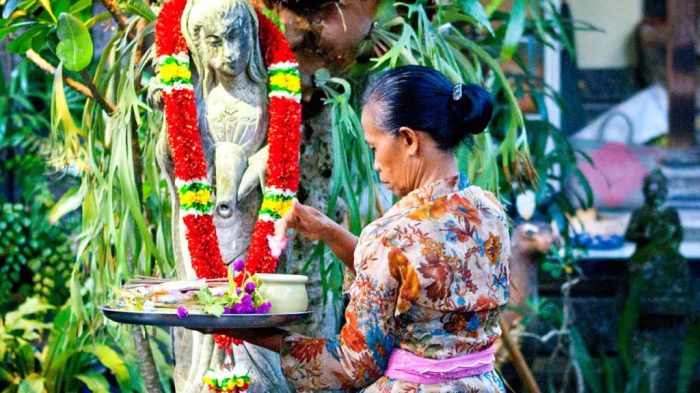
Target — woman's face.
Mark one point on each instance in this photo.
(390, 155)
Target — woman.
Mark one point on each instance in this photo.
(431, 274)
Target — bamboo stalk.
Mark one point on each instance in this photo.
(519, 363)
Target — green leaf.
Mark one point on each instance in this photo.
(140, 8)
(32, 384)
(9, 8)
(75, 48)
(23, 42)
(30, 306)
(70, 201)
(516, 27)
(79, 6)
(95, 381)
(474, 9)
(47, 6)
(114, 362)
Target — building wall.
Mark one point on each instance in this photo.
(615, 46)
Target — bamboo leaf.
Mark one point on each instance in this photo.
(69, 202)
(94, 381)
(75, 46)
(475, 10)
(140, 8)
(516, 27)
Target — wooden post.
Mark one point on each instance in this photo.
(680, 60)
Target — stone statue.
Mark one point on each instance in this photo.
(657, 265)
(230, 83)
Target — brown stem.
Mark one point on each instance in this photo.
(72, 83)
(518, 361)
(114, 11)
(146, 361)
(99, 98)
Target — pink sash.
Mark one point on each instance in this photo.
(407, 367)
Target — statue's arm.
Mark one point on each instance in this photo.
(254, 174)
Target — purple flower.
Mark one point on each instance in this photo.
(238, 265)
(228, 310)
(264, 308)
(250, 287)
(237, 309)
(246, 300)
(238, 291)
(182, 312)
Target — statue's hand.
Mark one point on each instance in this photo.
(155, 93)
(254, 175)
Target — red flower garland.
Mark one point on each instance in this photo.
(186, 146)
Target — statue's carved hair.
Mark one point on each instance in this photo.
(199, 12)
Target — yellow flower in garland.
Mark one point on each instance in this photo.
(278, 207)
(171, 71)
(286, 81)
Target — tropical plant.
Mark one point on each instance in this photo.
(65, 360)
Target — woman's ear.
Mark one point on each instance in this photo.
(409, 139)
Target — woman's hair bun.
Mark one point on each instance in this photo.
(472, 107)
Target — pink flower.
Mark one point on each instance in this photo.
(276, 245)
(182, 312)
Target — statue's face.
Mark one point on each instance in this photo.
(655, 189)
(226, 42)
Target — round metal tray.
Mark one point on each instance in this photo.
(203, 321)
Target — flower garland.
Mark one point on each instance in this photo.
(194, 189)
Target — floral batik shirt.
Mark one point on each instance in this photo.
(431, 277)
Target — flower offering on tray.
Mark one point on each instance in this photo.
(239, 295)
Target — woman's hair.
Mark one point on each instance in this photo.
(425, 100)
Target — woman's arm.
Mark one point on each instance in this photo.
(314, 225)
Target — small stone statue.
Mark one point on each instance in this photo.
(657, 263)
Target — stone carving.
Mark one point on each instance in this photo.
(230, 83)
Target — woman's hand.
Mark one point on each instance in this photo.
(314, 225)
(307, 221)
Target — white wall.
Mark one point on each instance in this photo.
(615, 46)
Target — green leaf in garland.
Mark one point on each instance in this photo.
(75, 49)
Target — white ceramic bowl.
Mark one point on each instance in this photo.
(286, 292)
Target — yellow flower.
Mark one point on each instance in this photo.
(279, 207)
(168, 71)
(202, 196)
(171, 71)
(187, 198)
(568, 269)
(184, 73)
(286, 81)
